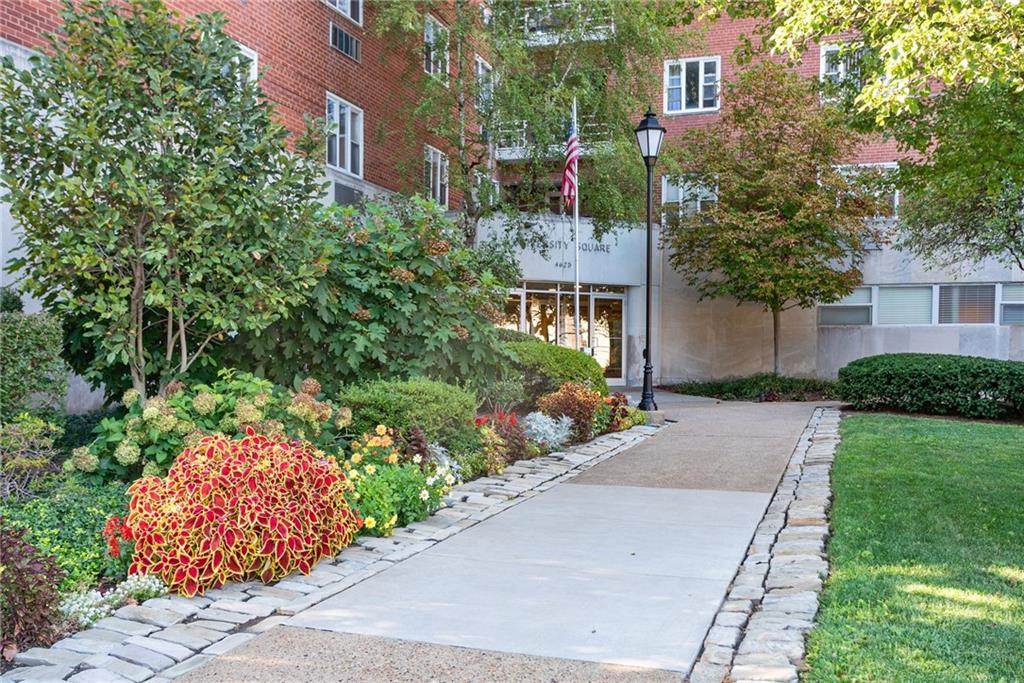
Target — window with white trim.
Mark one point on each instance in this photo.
(967, 304)
(350, 9)
(345, 43)
(684, 196)
(1012, 305)
(484, 81)
(905, 305)
(691, 85)
(344, 136)
(435, 48)
(435, 174)
(839, 65)
(853, 309)
(247, 55)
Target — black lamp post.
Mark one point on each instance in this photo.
(649, 135)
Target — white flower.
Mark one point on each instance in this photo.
(424, 494)
(430, 480)
(417, 459)
(449, 479)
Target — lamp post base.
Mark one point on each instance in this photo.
(647, 403)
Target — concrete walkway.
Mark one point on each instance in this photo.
(615, 575)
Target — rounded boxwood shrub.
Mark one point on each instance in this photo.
(444, 412)
(545, 367)
(935, 383)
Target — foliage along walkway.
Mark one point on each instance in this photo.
(167, 637)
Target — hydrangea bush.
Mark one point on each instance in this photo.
(147, 438)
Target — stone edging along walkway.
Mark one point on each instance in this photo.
(166, 637)
(759, 632)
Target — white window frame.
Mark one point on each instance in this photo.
(701, 76)
(876, 305)
(704, 193)
(350, 109)
(431, 28)
(870, 306)
(888, 166)
(254, 60)
(826, 50)
(439, 177)
(330, 42)
(336, 5)
(1002, 302)
(481, 67)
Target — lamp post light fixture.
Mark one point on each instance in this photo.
(649, 135)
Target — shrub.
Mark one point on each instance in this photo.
(546, 367)
(507, 426)
(763, 387)
(401, 295)
(26, 452)
(84, 608)
(935, 383)
(10, 300)
(635, 417)
(28, 592)
(548, 432)
(618, 412)
(444, 412)
(576, 401)
(494, 450)
(30, 347)
(146, 439)
(66, 520)
(255, 507)
(392, 487)
(501, 393)
(79, 429)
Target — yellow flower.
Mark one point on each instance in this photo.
(385, 440)
(392, 459)
(370, 469)
(381, 430)
(369, 522)
(357, 458)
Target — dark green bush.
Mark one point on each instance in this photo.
(29, 601)
(30, 363)
(10, 302)
(67, 521)
(545, 367)
(935, 383)
(444, 412)
(763, 387)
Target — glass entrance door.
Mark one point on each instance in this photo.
(607, 336)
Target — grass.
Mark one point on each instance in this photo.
(927, 554)
(763, 387)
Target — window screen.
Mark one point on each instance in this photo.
(1013, 304)
(853, 309)
(967, 304)
(904, 305)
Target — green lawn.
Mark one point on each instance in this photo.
(927, 554)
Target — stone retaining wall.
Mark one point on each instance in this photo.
(165, 637)
(759, 632)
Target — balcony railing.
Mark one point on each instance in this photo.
(513, 141)
(542, 23)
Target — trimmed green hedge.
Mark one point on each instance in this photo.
(34, 374)
(546, 367)
(935, 383)
(762, 387)
(444, 412)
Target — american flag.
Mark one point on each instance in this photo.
(572, 155)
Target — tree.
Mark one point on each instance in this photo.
(160, 205)
(788, 224)
(964, 201)
(916, 45)
(533, 59)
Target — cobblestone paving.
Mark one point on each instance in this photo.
(166, 637)
(759, 633)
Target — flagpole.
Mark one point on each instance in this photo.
(576, 234)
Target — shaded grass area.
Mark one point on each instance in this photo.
(763, 387)
(927, 554)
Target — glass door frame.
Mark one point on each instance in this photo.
(620, 380)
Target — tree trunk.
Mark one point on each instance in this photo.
(775, 340)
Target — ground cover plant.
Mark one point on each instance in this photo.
(935, 383)
(762, 387)
(927, 565)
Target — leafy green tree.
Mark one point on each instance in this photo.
(789, 224)
(540, 56)
(160, 205)
(401, 296)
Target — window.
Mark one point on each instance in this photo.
(345, 43)
(344, 136)
(345, 195)
(484, 81)
(905, 305)
(435, 48)
(352, 9)
(250, 57)
(967, 304)
(691, 85)
(686, 196)
(435, 174)
(839, 65)
(853, 309)
(1013, 304)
